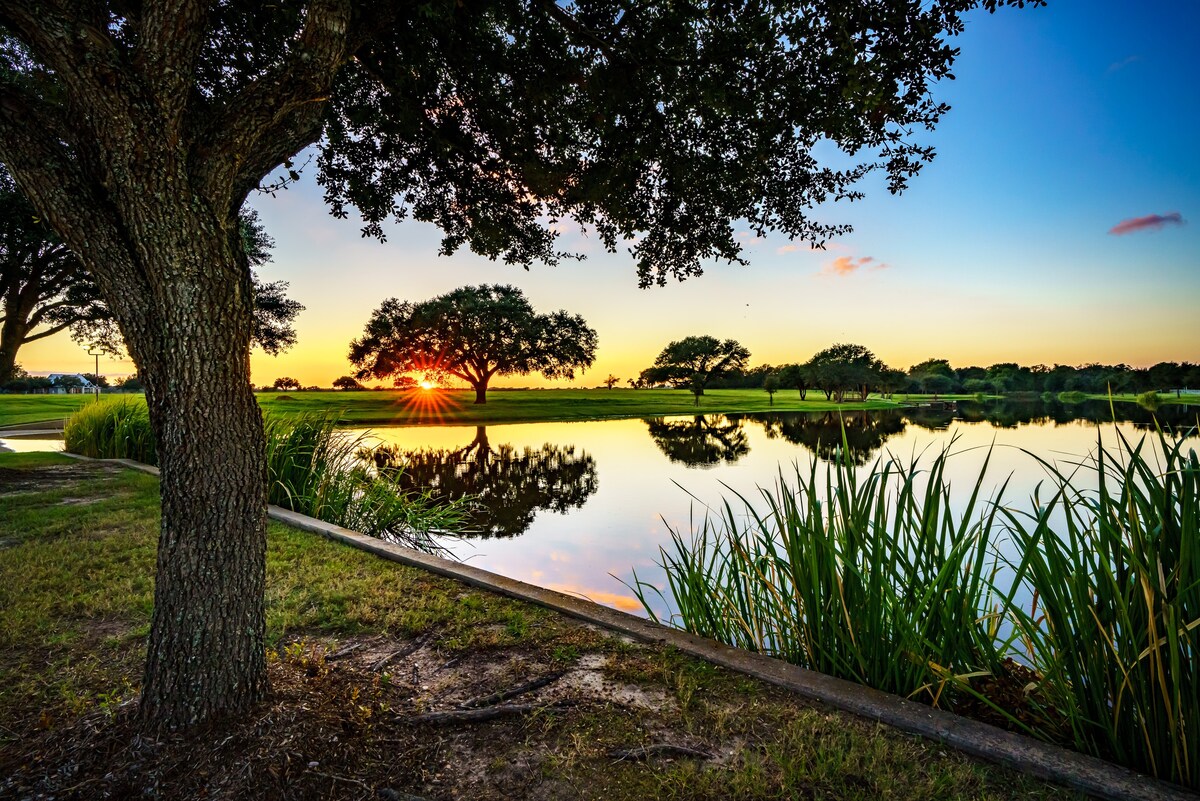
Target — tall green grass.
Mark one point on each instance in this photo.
(1115, 630)
(875, 579)
(311, 469)
(116, 428)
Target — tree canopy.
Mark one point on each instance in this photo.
(473, 334)
(693, 362)
(839, 369)
(138, 130)
(44, 289)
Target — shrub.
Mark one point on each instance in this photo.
(117, 428)
(311, 469)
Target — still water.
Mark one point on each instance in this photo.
(577, 507)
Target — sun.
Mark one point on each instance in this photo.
(427, 384)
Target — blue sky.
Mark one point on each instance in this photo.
(1066, 121)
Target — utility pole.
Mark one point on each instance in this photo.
(96, 375)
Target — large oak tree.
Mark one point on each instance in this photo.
(45, 289)
(138, 127)
(473, 334)
(693, 362)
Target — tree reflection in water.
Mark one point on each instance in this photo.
(510, 486)
(703, 441)
(822, 433)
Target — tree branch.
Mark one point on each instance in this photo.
(172, 37)
(277, 114)
(41, 312)
(78, 52)
(47, 333)
(31, 134)
(581, 32)
(32, 138)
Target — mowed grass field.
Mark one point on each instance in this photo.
(17, 410)
(359, 649)
(457, 407)
(448, 407)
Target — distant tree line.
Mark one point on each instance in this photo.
(849, 370)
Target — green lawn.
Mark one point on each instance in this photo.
(1164, 398)
(77, 550)
(518, 406)
(20, 409)
(419, 407)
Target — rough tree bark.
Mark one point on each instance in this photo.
(143, 181)
(205, 656)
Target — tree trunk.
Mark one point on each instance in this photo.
(205, 657)
(11, 337)
(480, 392)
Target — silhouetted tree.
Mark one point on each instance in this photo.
(771, 385)
(693, 362)
(285, 382)
(472, 333)
(611, 381)
(346, 382)
(843, 368)
(795, 376)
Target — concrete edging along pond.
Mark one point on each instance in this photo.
(1079, 771)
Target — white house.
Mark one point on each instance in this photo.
(83, 386)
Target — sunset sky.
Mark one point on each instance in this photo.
(1059, 223)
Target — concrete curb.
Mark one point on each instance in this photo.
(1087, 774)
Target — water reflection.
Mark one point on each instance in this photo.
(709, 440)
(510, 486)
(701, 441)
(1010, 413)
(853, 436)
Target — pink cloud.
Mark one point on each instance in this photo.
(1151, 222)
(787, 249)
(848, 265)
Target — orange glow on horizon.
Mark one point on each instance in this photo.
(426, 385)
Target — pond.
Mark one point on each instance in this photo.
(577, 507)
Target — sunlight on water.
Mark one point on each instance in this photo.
(620, 484)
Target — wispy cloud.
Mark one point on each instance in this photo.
(787, 249)
(1122, 64)
(1151, 222)
(848, 265)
